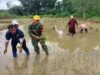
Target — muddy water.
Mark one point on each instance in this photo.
(59, 62)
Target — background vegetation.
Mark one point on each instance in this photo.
(53, 8)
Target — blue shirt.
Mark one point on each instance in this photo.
(15, 37)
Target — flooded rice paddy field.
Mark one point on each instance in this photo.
(78, 55)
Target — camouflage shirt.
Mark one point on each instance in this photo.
(35, 29)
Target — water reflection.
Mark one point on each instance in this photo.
(40, 65)
(18, 68)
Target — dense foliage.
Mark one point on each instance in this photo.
(80, 8)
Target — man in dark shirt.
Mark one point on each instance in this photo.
(16, 36)
(72, 25)
(35, 31)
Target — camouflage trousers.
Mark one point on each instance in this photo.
(36, 47)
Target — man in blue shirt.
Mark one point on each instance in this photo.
(16, 36)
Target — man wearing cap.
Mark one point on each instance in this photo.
(72, 25)
(15, 23)
(16, 36)
(36, 31)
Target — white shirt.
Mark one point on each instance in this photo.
(83, 26)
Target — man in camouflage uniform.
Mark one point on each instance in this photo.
(35, 31)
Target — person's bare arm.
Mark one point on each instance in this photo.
(67, 26)
(21, 44)
(6, 46)
(77, 24)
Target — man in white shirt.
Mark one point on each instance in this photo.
(83, 26)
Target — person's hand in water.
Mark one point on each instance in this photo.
(20, 49)
(5, 51)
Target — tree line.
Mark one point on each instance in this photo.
(80, 8)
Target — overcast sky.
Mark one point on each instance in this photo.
(4, 2)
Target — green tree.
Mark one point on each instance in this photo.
(68, 6)
(86, 8)
(37, 6)
(16, 10)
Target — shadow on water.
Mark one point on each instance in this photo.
(39, 65)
